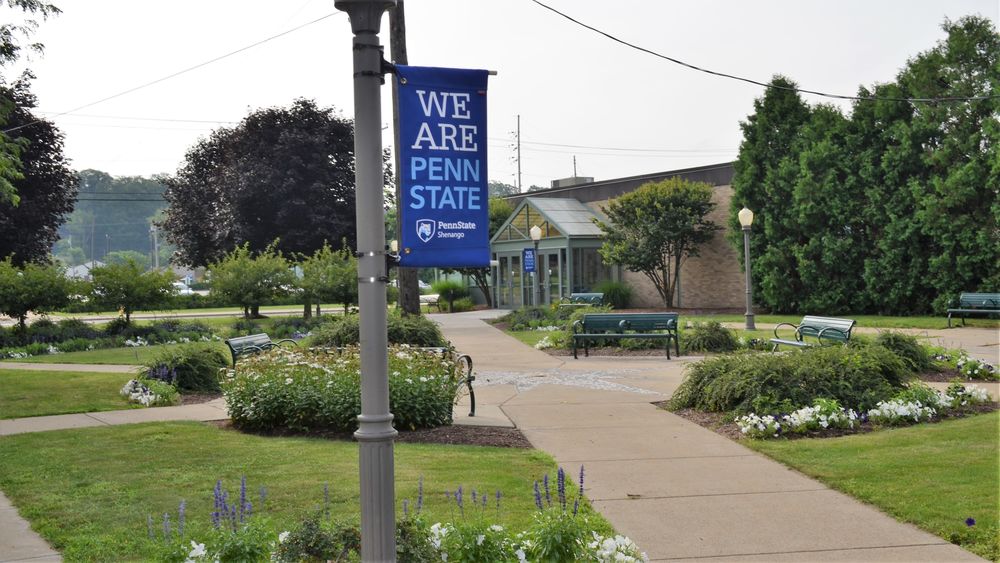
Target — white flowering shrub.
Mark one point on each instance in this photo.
(312, 389)
(895, 411)
(958, 395)
(149, 393)
(615, 549)
(971, 368)
(754, 426)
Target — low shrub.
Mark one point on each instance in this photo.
(460, 305)
(306, 390)
(616, 294)
(244, 327)
(150, 393)
(194, 367)
(907, 348)
(75, 328)
(449, 291)
(708, 337)
(295, 327)
(414, 330)
(772, 383)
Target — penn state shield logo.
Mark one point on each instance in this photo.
(425, 229)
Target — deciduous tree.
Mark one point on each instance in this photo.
(282, 173)
(655, 228)
(127, 288)
(251, 280)
(38, 288)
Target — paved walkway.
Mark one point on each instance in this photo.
(681, 492)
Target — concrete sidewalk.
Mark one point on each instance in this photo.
(682, 492)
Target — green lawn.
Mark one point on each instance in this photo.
(120, 356)
(932, 475)
(37, 393)
(89, 491)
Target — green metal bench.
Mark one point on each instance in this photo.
(821, 328)
(246, 345)
(596, 327)
(582, 300)
(975, 304)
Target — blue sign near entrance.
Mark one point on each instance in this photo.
(442, 128)
(528, 259)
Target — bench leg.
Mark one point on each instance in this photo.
(472, 395)
(574, 348)
(668, 347)
(949, 320)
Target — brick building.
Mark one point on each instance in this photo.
(568, 261)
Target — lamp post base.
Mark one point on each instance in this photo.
(750, 325)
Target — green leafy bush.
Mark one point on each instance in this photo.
(415, 330)
(460, 305)
(907, 348)
(616, 294)
(312, 389)
(772, 383)
(449, 291)
(193, 368)
(709, 337)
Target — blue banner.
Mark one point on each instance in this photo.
(528, 259)
(442, 146)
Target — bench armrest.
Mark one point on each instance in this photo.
(577, 327)
(794, 326)
(819, 337)
(286, 340)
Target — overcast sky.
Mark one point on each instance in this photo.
(569, 85)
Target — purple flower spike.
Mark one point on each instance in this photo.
(216, 521)
(263, 496)
(498, 503)
(249, 509)
(484, 499)
(243, 495)
(970, 522)
(561, 487)
(406, 508)
(581, 480)
(181, 513)
(149, 525)
(420, 494)
(548, 496)
(474, 501)
(538, 496)
(166, 526)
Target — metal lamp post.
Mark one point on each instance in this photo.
(375, 432)
(536, 235)
(746, 219)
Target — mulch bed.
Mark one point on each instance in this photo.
(454, 435)
(199, 398)
(717, 423)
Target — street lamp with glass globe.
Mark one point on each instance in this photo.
(746, 219)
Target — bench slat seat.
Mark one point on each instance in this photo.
(820, 328)
(582, 300)
(617, 326)
(975, 304)
(252, 344)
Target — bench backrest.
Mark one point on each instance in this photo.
(979, 301)
(632, 321)
(588, 298)
(253, 342)
(813, 326)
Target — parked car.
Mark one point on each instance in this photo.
(181, 288)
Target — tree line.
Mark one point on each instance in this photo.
(892, 209)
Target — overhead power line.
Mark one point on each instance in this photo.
(180, 72)
(757, 82)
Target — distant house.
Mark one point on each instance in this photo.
(82, 272)
(568, 260)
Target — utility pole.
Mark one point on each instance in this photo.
(519, 153)
(156, 247)
(574, 166)
(375, 432)
(409, 292)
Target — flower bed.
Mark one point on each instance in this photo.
(71, 335)
(560, 531)
(917, 403)
(315, 389)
